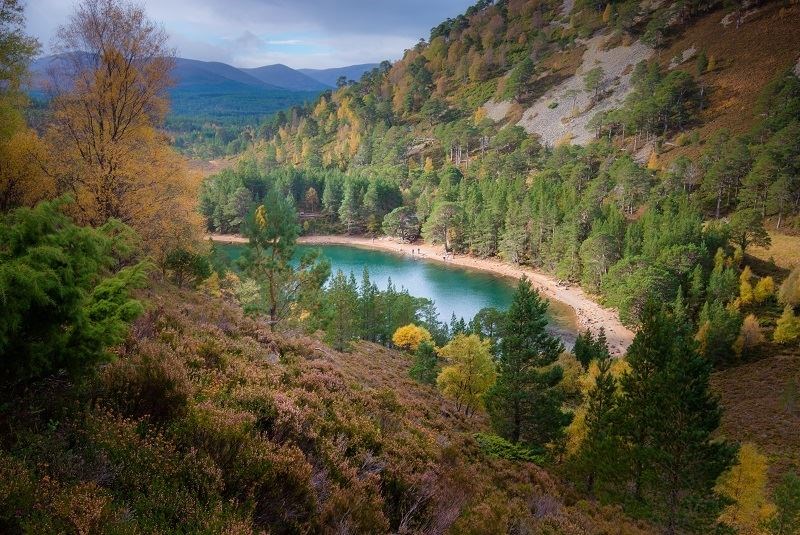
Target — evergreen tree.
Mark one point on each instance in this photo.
(525, 402)
(747, 228)
(332, 195)
(64, 293)
(719, 327)
(596, 458)
(350, 209)
(369, 312)
(668, 416)
(272, 232)
(425, 367)
(587, 348)
(342, 326)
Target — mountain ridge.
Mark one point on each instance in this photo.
(195, 72)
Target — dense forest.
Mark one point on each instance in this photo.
(150, 385)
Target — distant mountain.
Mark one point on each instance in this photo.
(195, 72)
(282, 76)
(211, 91)
(329, 76)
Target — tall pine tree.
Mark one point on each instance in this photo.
(525, 402)
(668, 416)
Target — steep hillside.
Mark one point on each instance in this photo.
(209, 421)
(639, 149)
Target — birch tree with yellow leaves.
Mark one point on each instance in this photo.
(108, 88)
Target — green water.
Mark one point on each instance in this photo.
(455, 290)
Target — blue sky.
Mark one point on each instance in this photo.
(298, 33)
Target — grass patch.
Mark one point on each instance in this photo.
(500, 448)
(784, 251)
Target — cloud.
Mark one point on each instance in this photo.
(299, 33)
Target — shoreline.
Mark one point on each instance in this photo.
(589, 314)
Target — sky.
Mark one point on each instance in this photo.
(297, 33)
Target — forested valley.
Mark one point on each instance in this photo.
(637, 151)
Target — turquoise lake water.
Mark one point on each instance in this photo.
(453, 289)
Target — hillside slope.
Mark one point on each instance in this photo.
(209, 420)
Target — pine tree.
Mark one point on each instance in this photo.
(272, 232)
(350, 209)
(668, 416)
(369, 309)
(719, 327)
(343, 302)
(525, 402)
(424, 369)
(587, 348)
(63, 294)
(597, 454)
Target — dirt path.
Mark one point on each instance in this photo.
(589, 313)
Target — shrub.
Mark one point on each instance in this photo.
(789, 293)
(64, 297)
(500, 448)
(750, 336)
(152, 384)
(187, 266)
(787, 329)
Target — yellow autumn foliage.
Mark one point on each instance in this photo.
(470, 372)
(746, 484)
(765, 288)
(787, 329)
(652, 162)
(409, 336)
(22, 181)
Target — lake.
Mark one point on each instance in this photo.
(454, 290)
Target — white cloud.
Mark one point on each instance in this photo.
(299, 33)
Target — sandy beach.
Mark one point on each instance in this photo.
(589, 314)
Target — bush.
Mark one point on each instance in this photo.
(500, 448)
(186, 266)
(151, 384)
(789, 293)
(64, 296)
(787, 329)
